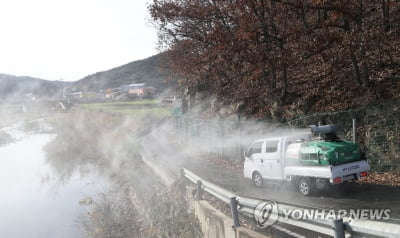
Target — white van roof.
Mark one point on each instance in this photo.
(294, 136)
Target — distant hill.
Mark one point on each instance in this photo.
(15, 88)
(147, 71)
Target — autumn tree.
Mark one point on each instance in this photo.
(279, 52)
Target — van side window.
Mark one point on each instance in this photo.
(271, 146)
(255, 148)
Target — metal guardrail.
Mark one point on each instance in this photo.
(336, 228)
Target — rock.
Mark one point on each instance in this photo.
(86, 201)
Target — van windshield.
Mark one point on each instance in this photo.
(255, 148)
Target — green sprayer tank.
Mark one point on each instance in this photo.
(329, 150)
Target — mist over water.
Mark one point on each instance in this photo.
(33, 203)
(97, 155)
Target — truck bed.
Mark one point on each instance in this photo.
(344, 171)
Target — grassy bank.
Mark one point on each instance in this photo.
(140, 107)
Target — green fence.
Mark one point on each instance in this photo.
(377, 134)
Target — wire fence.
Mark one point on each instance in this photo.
(378, 135)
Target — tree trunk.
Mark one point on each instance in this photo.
(385, 14)
(273, 77)
(364, 68)
(184, 105)
(304, 18)
(356, 70)
(284, 81)
(192, 98)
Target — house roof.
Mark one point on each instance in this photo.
(137, 85)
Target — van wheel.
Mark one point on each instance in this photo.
(305, 187)
(257, 179)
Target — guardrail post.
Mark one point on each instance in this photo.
(199, 190)
(235, 213)
(338, 227)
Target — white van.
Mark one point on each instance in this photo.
(264, 159)
(277, 159)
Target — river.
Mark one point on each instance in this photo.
(33, 203)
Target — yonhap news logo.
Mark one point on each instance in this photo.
(267, 214)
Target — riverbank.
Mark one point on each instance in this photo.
(32, 122)
(5, 138)
(137, 203)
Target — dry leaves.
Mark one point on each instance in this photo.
(392, 179)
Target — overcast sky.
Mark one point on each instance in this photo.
(69, 39)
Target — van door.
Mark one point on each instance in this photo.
(253, 158)
(272, 165)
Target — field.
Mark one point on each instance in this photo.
(141, 107)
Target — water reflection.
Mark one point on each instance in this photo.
(33, 201)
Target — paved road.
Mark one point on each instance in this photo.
(351, 196)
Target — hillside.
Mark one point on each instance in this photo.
(142, 71)
(284, 59)
(147, 71)
(16, 88)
